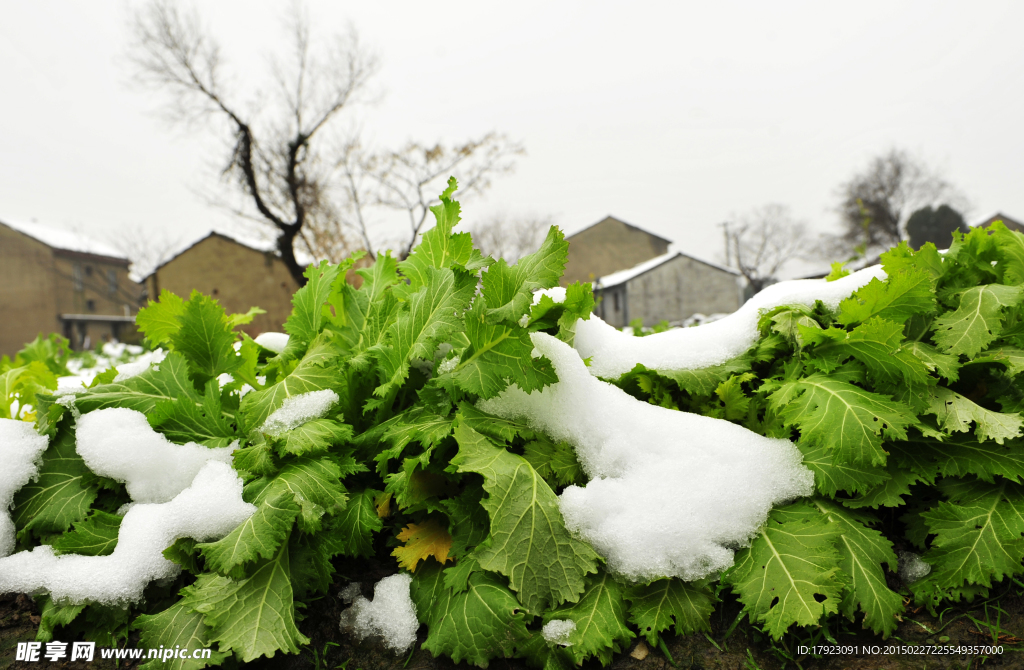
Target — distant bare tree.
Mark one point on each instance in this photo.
(511, 238)
(284, 155)
(409, 180)
(760, 242)
(145, 248)
(877, 201)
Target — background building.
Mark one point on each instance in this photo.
(53, 280)
(238, 274)
(672, 287)
(608, 246)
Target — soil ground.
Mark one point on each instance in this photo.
(742, 648)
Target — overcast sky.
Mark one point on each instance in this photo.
(673, 116)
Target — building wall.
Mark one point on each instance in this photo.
(27, 301)
(237, 276)
(673, 292)
(607, 247)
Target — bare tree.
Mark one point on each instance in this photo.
(760, 242)
(511, 238)
(408, 180)
(877, 201)
(144, 249)
(285, 159)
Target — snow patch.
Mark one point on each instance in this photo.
(119, 443)
(275, 342)
(391, 614)
(299, 409)
(614, 353)
(21, 449)
(671, 493)
(912, 568)
(557, 631)
(126, 371)
(557, 294)
(210, 508)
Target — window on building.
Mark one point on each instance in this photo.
(88, 270)
(76, 276)
(615, 300)
(112, 281)
(90, 305)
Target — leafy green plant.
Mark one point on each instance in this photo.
(905, 402)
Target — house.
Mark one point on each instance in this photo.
(239, 274)
(608, 246)
(1010, 223)
(671, 287)
(54, 280)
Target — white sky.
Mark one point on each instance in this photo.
(672, 116)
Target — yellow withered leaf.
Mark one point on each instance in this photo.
(382, 503)
(423, 540)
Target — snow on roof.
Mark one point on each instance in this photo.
(61, 238)
(623, 276)
(255, 242)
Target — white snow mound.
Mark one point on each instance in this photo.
(671, 493)
(615, 353)
(299, 409)
(207, 510)
(391, 614)
(21, 449)
(276, 342)
(119, 443)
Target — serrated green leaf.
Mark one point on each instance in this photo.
(54, 616)
(600, 618)
(259, 536)
(307, 317)
(670, 602)
(433, 314)
(312, 483)
(178, 626)
(254, 616)
(556, 462)
(95, 536)
(311, 374)
(167, 381)
(978, 533)
(1010, 357)
(976, 322)
(846, 419)
(205, 337)
(946, 365)
(790, 572)
(909, 462)
(862, 551)
(62, 493)
(1011, 248)
(509, 290)
(158, 321)
(529, 542)
(703, 382)
(900, 296)
(832, 475)
(315, 437)
(356, 524)
(962, 456)
(483, 622)
(182, 420)
(877, 344)
(955, 414)
(499, 355)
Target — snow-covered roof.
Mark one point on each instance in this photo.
(623, 276)
(254, 242)
(60, 238)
